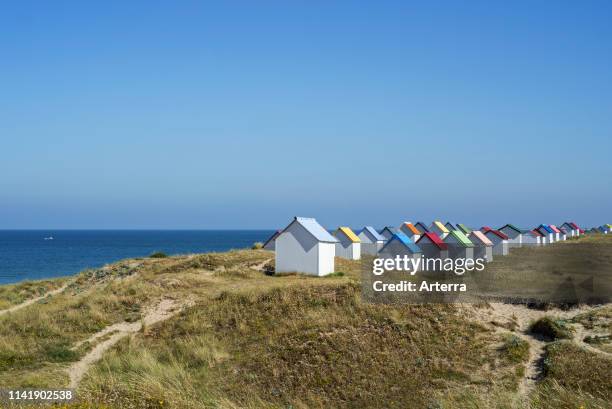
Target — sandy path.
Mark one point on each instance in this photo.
(500, 316)
(163, 310)
(33, 300)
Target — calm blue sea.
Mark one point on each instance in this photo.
(30, 255)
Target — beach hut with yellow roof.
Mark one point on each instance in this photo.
(349, 245)
(410, 230)
(439, 228)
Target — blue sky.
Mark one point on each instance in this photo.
(242, 115)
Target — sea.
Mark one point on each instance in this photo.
(41, 254)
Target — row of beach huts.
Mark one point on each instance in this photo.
(304, 246)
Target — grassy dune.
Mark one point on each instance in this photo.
(247, 339)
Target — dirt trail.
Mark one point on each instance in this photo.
(33, 300)
(163, 310)
(516, 319)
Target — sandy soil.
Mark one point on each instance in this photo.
(165, 309)
(500, 317)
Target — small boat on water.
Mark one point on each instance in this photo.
(48, 238)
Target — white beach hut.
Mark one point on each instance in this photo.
(305, 247)
(270, 243)
(371, 241)
(483, 247)
(515, 235)
(532, 238)
(349, 245)
(499, 239)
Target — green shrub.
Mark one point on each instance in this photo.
(158, 254)
(258, 245)
(515, 349)
(550, 329)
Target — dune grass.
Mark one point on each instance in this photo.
(254, 340)
(14, 294)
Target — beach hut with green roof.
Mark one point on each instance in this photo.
(349, 245)
(459, 246)
(464, 229)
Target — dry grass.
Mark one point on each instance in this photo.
(14, 294)
(257, 341)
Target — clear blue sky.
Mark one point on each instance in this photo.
(236, 115)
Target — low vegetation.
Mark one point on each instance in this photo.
(574, 378)
(17, 293)
(551, 329)
(249, 338)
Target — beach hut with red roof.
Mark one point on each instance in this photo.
(483, 247)
(572, 229)
(432, 246)
(499, 239)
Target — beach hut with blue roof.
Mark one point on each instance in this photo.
(304, 246)
(450, 226)
(400, 245)
(548, 233)
(371, 241)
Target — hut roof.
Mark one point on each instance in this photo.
(349, 234)
(315, 229)
(435, 239)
